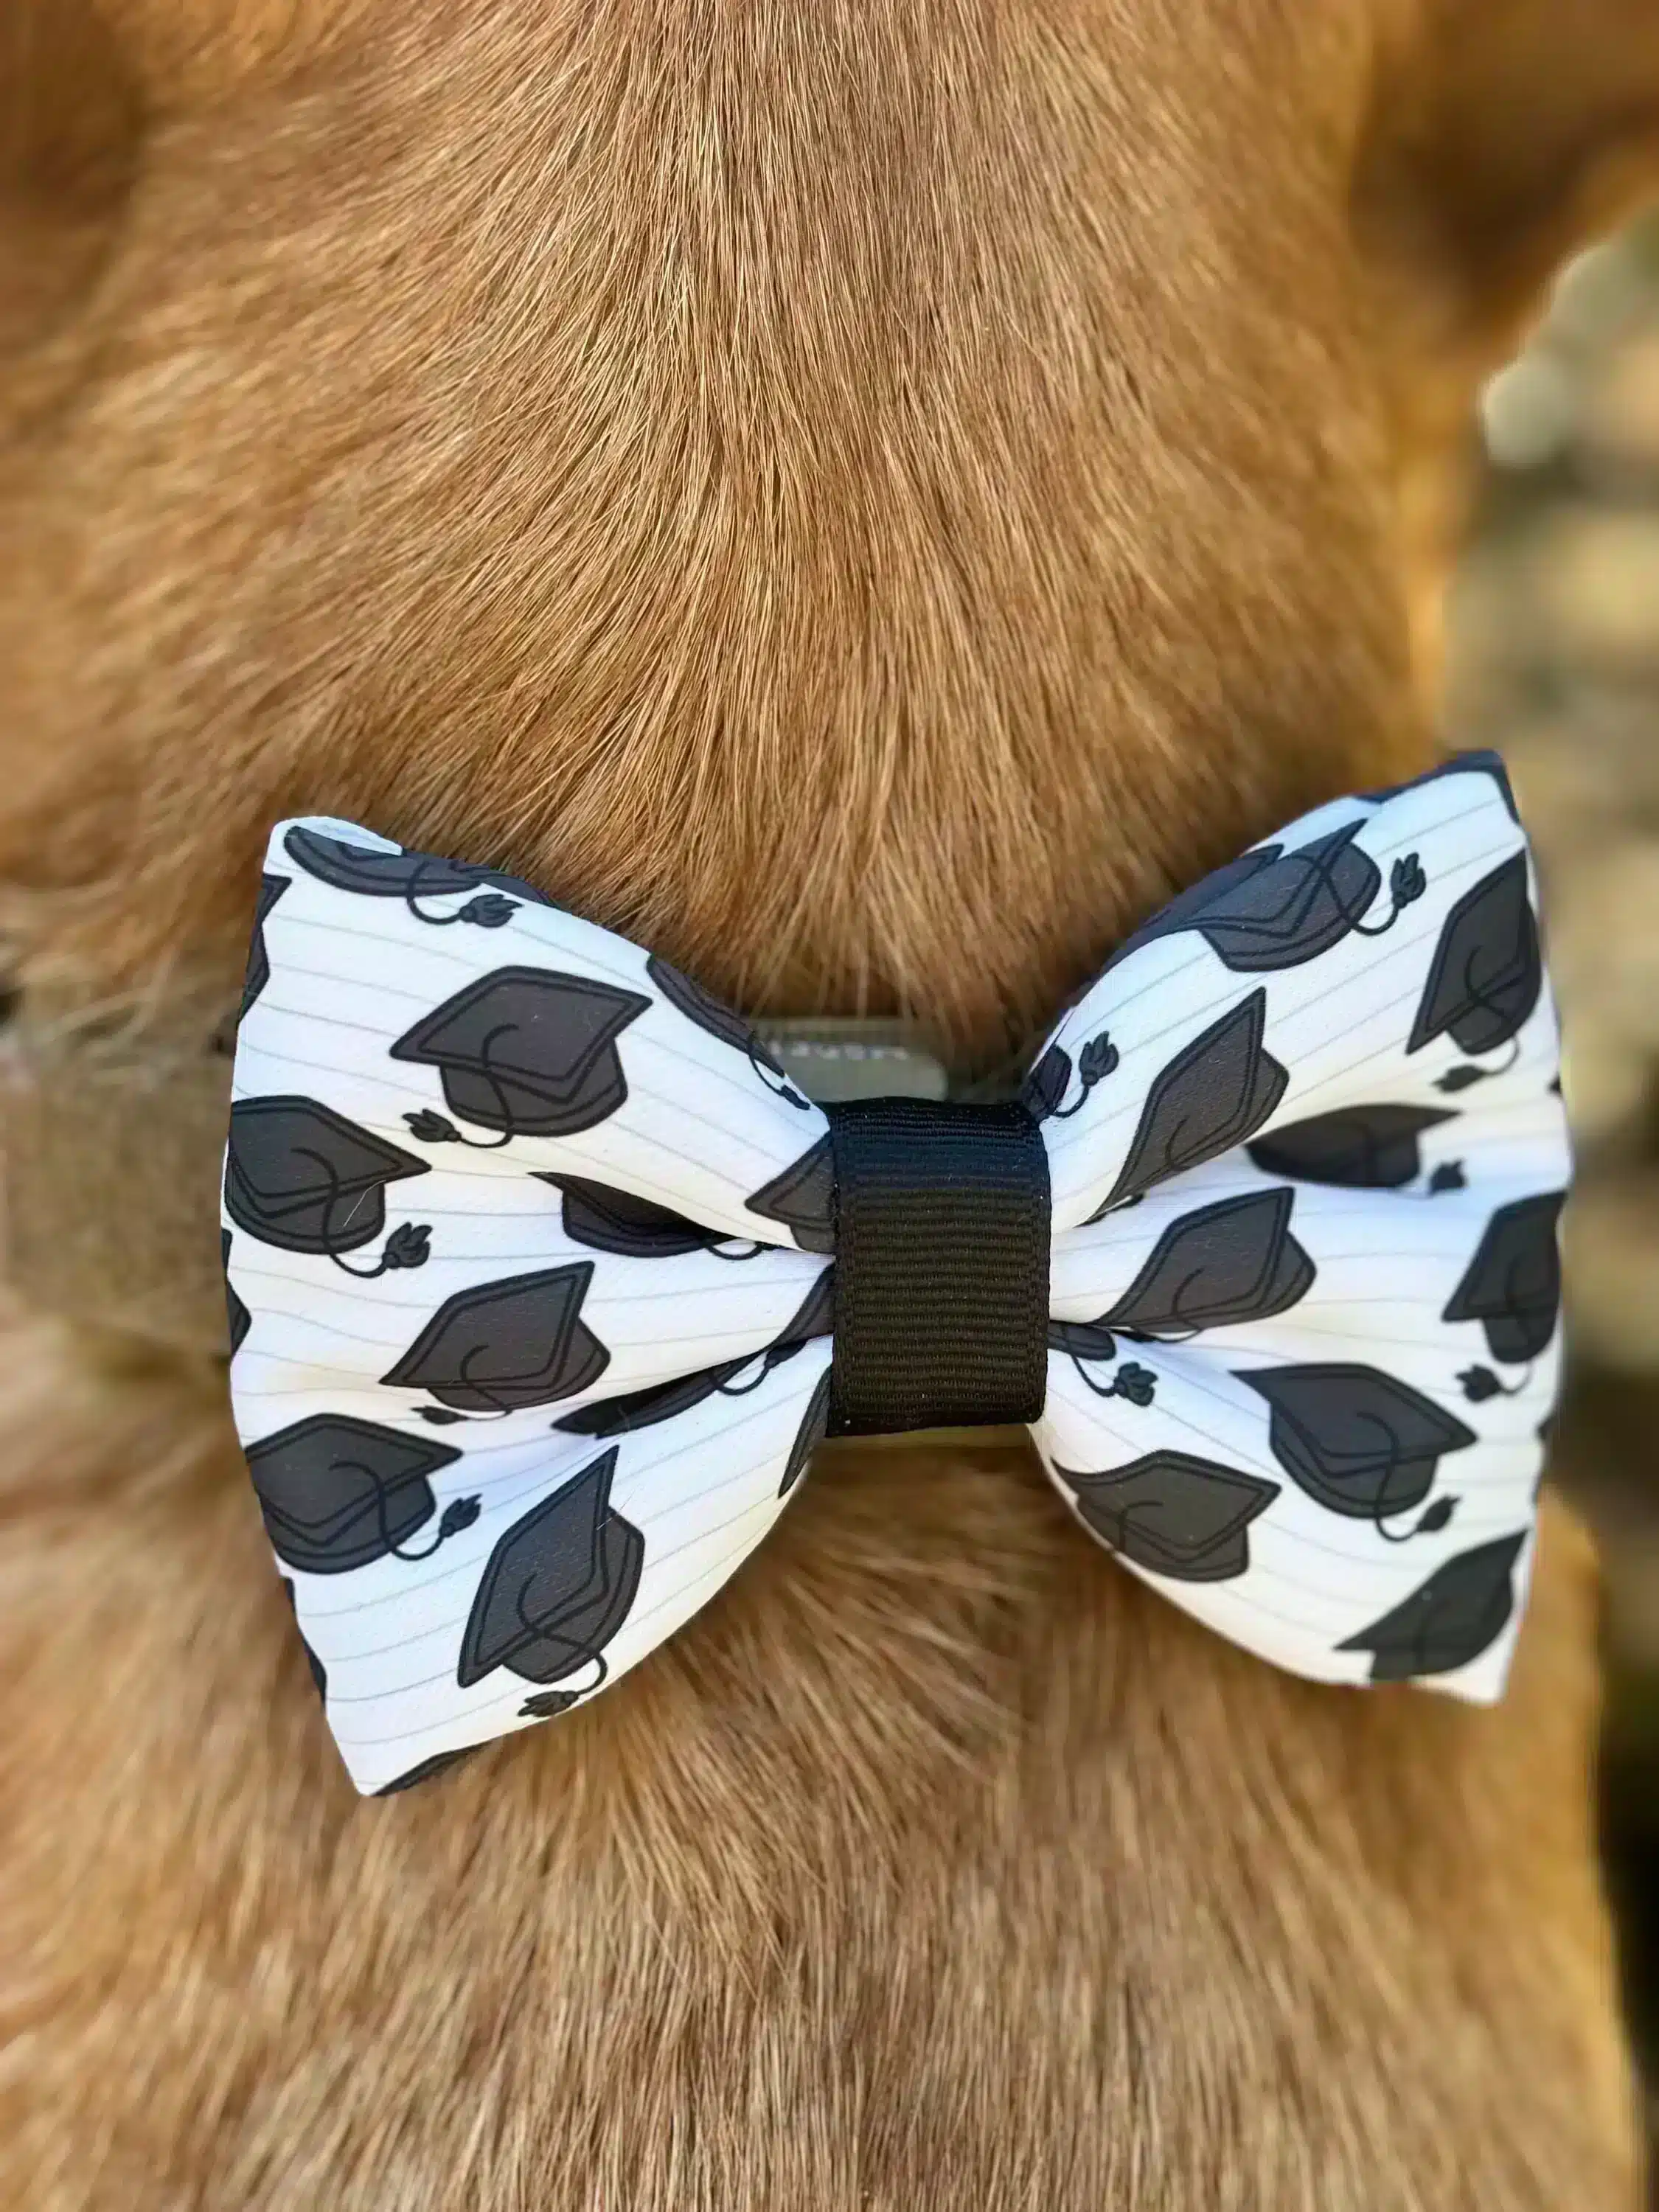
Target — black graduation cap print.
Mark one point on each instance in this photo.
(710, 1014)
(499, 1346)
(1486, 976)
(548, 1705)
(803, 1198)
(814, 1427)
(1479, 761)
(259, 960)
(302, 1177)
(438, 1763)
(662, 1401)
(642, 1409)
(1172, 1514)
(1233, 1261)
(1213, 1095)
(406, 875)
(1271, 909)
(1185, 910)
(1359, 1441)
(1356, 1147)
(557, 1586)
(236, 1314)
(1462, 1607)
(1513, 1285)
(337, 1493)
(530, 1052)
(1297, 907)
(610, 1221)
(814, 1316)
(318, 1672)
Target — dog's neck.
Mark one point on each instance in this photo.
(887, 648)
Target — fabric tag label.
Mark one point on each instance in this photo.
(833, 1061)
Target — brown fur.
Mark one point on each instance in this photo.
(867, 497)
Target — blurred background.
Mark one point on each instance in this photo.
(1553, 657)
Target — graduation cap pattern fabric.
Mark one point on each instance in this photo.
(531, 1255)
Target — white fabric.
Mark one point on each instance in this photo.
(1297, 1378)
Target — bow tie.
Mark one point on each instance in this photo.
(545, 1278)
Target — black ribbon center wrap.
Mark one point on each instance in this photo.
(942, 1227)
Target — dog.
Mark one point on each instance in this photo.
(867, 498)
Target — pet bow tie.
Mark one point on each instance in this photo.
(544, 1280)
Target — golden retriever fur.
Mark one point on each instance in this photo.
(868, 497)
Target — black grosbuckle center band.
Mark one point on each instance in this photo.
(941, 1266)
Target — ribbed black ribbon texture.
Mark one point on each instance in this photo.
(941, 1266)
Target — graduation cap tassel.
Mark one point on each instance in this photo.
(437, 1129)
(408, 1245)
(1448, 1176)
(1428, 1523)
(1407, 884)
(1096, 1062)
(432, 1129)
(1135, 1383)
(1479, 1384)
(1460, 1077)
(1132, 1382)
(488, 912)
(547, 1704)
(460, 1513)
(1439, 1183)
